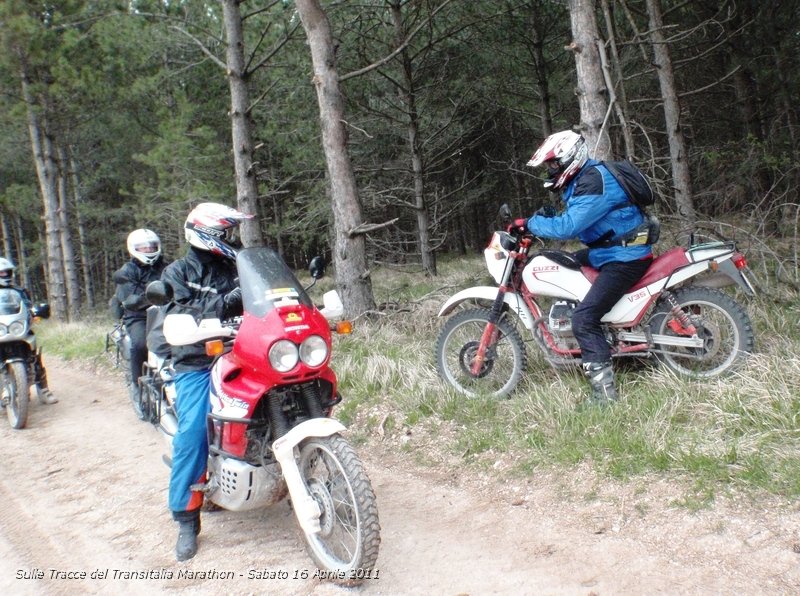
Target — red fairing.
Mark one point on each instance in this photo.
(251, 349)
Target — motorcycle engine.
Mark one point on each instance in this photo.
(560, 318)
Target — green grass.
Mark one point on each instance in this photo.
(737, 433)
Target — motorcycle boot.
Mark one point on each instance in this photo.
(188, 529)
(601, 380)
(43, 393)
(134, 392)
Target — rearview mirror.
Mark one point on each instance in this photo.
(504, 215)
(41, 310)
(159, 293)
(317, 267)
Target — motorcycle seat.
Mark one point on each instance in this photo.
(662, 266)
(564, 259)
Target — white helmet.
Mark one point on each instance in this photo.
(7, 269)
(144, 246)
(568, 153)
(214, 227)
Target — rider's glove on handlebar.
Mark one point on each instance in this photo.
(233, 302)
(519, 226)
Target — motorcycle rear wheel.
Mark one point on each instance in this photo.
(455, 349)
(16, 391)
(347, 544)
(722, 323)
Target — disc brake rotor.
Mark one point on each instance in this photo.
(323, 498)
(467, 357)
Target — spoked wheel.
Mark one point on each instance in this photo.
(721, 323)
(350, 533)
(458, 342)
(15, 393)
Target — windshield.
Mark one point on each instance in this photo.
(267, 282)
(10, 301)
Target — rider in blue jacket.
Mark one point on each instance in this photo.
(601, 216)
(205, 284)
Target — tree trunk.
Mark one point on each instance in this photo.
(672, 114)
(620, 100)
(591, 89)
(23, 275)
(353, 279)
(540, 65)
(88, 288)
(46, 173)
(407, 93)
(241, 125)
(7, 244)
(67, 253)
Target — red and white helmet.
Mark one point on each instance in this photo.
(214, 227)
(144, 245)
(567, 152)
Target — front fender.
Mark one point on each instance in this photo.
(305, 506)
(488, 294)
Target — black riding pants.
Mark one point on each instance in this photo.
(614, 281)
(136, 331)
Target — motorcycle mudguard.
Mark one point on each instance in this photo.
(727, 274)
(489, 293)
(305, 507)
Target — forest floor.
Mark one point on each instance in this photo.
(83, 494)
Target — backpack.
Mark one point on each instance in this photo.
(633, 182)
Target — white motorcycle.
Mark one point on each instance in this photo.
(675, 313)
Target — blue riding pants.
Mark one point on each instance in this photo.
(190, 443)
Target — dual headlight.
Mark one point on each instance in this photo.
(284, 354)
(15, 329)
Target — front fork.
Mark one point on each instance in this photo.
(491, 333)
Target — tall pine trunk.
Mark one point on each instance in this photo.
(47, 174)
(681, 176)
(591, 88)
(241, 125)
(353, 279)
(407, 95)
(67, 252)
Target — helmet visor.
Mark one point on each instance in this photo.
(232, 236)
(147, 247)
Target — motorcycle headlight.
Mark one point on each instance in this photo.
(17, 328)
(283, 355)
(313, 351)
(3, 330)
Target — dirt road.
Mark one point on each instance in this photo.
(83, 494)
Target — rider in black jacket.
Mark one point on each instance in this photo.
(205, 285)
(146, 265)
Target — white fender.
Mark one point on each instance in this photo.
(305, 507)
(489, 293)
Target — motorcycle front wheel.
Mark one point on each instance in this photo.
(457, 346)
(348, 541)
(722, 324)
(15, 391)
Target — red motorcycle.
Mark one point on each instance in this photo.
(270, 430)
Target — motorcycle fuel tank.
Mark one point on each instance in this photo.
(544, 277)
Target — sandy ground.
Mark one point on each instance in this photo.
(83, 494)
